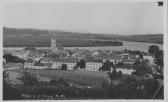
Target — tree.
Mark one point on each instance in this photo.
(14, 59)
(142, 70)
(53, 82)
(120, 74)
(75, 67)
(113, 74)
(137, 62)
(159, 58)
(64, 67)
(54, 55)
(81, 63)
(107, 66)
(153, 49)
(151, 86)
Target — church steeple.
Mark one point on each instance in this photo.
(53, 44)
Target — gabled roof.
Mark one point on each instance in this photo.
(94, 60)
(64, 60)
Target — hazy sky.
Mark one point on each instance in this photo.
(93, 17)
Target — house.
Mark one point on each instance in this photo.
(81, 55)
(93, 65)
(128, 61)
(39, 66)
(101, 56)
(149, 58)
(32, 64)
(129, 56)
(95, 53)
(124, 70)
(46, 60)
(36, 55)
(114, 58)
(57, 63)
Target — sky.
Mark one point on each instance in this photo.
(88, 17)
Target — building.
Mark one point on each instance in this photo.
(124, 70)
(114, 58)
(57, 63)
(32, 64)
(53, 44)
(149, 58)
(81, 55)
(93, 65)
(128, 61)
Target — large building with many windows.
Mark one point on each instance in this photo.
(93, 65)
(57, 63)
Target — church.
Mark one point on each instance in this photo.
(55, 47)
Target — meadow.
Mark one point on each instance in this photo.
(83, 78)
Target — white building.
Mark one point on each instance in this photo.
(114, 58)
(149, 58)
(31, 64)
(128, 61)
(93, 65)
(124, 70)
(57, 63)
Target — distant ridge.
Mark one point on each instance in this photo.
(36, 37)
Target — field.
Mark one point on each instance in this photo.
(83, 78)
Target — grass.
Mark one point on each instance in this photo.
(85, 78)
(11, 65)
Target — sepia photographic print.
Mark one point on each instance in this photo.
(83, 50)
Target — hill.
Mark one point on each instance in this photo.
(18, 37)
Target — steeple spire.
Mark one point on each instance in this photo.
(53, 43)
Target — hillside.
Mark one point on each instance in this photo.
(18, 37)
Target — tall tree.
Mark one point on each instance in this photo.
(64, 67)
(11, 58)
(120, 74)
(113, 74)
(159, 58)
(107, 65)
(153, 49)
(81, 63)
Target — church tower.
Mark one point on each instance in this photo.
(53, 44)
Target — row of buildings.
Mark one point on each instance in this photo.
(54, 57)
(92, 64)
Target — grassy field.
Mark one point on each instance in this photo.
(86, 78)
